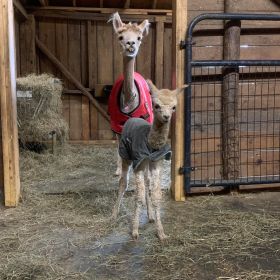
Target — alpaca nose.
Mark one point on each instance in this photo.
(166, 117)
(130, 43)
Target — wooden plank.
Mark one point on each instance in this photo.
(100, 10)
(167, 60)
(17, 43)
(159, 46)
(105, 53)
(69, 76)
(46, 31)
(84, 78)
(92, 75)
(9, 133)
(95, 16)
(180, 12)
(20, 9)
(92, 54)
(61, 46)
(118, 58)
(74, 64)
(145, 58)
(27, 46)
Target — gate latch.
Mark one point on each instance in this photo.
(183, 170)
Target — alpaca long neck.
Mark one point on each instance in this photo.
(129, 89)
(158, 135)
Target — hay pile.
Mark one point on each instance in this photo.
(39, 108)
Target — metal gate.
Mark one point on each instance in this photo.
(247, 150)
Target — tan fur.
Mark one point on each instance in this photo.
(147, 176)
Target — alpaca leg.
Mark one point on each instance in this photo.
(139, 201)
(123, 182)
(119, 159)
(156, 197)
(150, 210)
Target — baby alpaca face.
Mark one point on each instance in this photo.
(164, 102)
(164, 105)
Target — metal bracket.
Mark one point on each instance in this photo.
(182, 45)
(184, 170)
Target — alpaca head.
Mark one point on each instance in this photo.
(164, 102)
(129, 35)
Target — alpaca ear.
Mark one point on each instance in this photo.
(152, 87)
(144, 27)
(117, 22)
(177, 91)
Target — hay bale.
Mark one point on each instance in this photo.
(39, 108)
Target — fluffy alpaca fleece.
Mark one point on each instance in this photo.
(147, 173)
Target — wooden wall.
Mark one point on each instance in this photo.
(87, 47)
(90, 51)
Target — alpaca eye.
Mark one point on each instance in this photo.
(157, 106)
(121, 38)
(139, 38)
(174, 108)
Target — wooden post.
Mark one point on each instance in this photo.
(9, 149)
(179, 28)
(230, 118)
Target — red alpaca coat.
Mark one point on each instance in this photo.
(144, 109)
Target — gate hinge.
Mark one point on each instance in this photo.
(182, 45)
(184, 170)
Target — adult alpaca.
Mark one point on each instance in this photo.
(130, 96)
(143, 146)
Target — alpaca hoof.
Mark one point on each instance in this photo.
(151, 220)
(135, 235)
(162, 236)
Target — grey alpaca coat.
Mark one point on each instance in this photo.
(134, 143)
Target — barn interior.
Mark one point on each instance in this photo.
(61, 227)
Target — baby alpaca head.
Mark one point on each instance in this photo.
(129, 35)
(164, 102)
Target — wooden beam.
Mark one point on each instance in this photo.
(20, 9)
(95, 16)
(70, 77)
(179, 27)
(101, 10)
(101, 3)
(74, 3)
(9, 152)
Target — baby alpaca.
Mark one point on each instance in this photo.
(144, 146)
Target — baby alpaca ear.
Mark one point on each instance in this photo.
(152, 87)
(117, 22)
(177, 91)
(144, 27)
